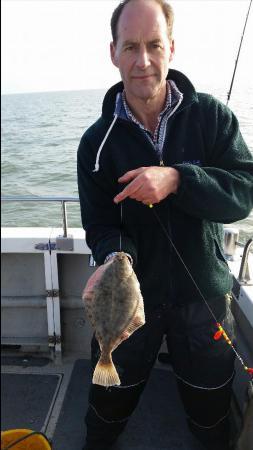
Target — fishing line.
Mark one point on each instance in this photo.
(221, 332)
(121, 224)
(182, 261)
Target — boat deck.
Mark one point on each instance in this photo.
(39, 394)
(43, 316)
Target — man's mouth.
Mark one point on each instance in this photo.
(141, 77)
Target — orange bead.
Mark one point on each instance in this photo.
(217, 335)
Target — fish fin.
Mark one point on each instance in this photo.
(137, 321)
(105, 374)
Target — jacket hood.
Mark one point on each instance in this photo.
(183, 83)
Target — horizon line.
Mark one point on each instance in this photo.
(54, 91)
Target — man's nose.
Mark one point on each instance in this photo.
(143, 59)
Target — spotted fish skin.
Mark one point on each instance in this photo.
(115, 309)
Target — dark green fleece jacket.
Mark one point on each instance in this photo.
(204, 144)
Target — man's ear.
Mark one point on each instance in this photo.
(172, 50)
(113, 54)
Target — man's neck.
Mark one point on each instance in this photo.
(147, 111)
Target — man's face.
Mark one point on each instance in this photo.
(143, 50)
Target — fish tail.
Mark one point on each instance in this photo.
(105, 373)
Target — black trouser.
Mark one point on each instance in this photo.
(203, 368)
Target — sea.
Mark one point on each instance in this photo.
(40, 137)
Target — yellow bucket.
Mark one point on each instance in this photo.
(22, 439)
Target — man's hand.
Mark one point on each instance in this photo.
(149, 185)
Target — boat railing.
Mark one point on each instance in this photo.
(244, 276)
(34, 198)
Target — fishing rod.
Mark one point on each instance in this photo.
(238, 54)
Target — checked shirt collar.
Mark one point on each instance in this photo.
(173, 99)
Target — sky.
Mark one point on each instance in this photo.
(53, 45)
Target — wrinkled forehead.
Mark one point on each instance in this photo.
(141, 19)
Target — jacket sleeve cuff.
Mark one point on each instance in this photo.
(116, 253)
(105, 248)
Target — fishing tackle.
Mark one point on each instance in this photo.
(221, 332)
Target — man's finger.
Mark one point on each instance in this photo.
(129, 190)
(130, 175)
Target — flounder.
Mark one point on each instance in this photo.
(114, 305)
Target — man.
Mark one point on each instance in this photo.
(159, 143)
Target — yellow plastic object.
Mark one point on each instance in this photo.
(33, 441)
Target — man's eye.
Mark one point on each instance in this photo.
(129, 47)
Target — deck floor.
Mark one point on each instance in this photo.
(157, 424)
(27, 399)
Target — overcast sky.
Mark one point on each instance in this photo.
(56, 45)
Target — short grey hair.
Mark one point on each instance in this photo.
(166, 8)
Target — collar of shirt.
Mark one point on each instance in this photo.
(173, 99)
(132, 117)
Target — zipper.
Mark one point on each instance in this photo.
(178, 108)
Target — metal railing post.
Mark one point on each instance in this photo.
(62, 200)
(64, 219)
(244, 275)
